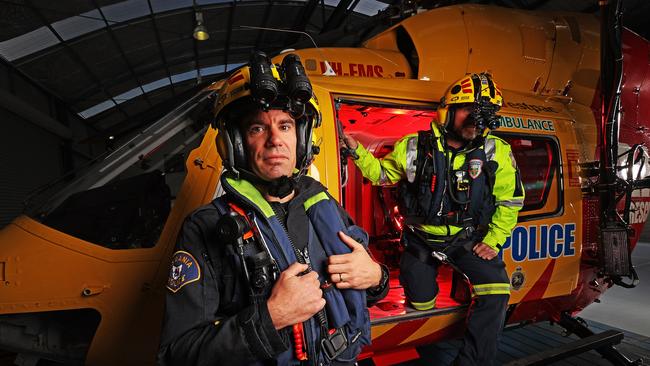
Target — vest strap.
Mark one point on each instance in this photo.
(454, 246)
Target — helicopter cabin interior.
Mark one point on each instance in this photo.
(378, 125)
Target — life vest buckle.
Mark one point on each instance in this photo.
(334, 343)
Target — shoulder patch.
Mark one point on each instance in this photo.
(185, 270)
(475, 168)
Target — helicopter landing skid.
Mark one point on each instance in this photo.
(606, 348)
(602, 342)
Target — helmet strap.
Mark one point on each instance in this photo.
(281, 187)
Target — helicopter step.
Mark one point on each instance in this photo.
(577, 326)
(607, 338)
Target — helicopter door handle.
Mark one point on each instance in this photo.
(92, 290)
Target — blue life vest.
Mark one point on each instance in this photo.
(345, 308)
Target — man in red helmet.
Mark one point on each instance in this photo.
(460, 192)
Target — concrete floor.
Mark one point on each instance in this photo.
(623, 308)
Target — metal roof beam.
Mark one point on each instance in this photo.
(75, 56)
(152, 17)
(305, 15)
(124, 78)
(339, 15)
(265, 23)
(226, 49)
(12, 69)
(109, 29)
(358, 29)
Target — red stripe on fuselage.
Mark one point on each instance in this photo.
(541, 285)
(397, 334)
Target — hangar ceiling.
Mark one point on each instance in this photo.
(120, 64)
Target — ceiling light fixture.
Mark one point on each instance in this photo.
(200, 31)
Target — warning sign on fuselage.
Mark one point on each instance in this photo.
(538, 242)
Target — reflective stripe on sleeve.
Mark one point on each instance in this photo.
(511, 203)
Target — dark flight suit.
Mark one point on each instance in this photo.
(210, 318)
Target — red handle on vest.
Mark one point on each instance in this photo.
(299, 342)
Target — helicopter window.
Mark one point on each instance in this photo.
(539, 171)
(407, 47)
(123, 200)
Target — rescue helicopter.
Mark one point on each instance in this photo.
(82, 273)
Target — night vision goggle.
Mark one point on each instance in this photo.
(290, 93)
(484, 114)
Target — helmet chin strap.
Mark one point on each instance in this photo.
(279, 187)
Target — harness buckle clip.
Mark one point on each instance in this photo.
(334, 344)
(440, 256)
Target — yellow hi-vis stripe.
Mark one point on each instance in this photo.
(424, 305)
(492, 289)
(314, 200)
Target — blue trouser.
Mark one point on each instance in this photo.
(487, 312)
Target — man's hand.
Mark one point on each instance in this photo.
(356, 270)
(295, 298)
(484, 251)
(350, 141)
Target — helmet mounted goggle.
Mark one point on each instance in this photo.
(265, 86)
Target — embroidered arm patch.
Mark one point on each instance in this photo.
(184, 270)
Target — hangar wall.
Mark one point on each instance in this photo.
(39, 143)
(29, 158)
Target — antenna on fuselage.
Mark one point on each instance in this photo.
(329, 71)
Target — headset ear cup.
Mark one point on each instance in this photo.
(302, 130)
(239, 150)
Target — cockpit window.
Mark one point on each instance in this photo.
(538, 163)
(122, 201)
